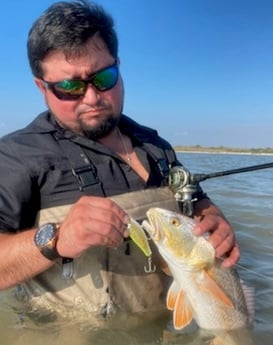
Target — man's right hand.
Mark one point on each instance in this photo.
(91, 221)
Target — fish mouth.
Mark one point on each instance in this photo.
(153, 226)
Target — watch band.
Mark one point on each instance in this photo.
(50, 253)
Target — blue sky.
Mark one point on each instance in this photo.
(199, 71)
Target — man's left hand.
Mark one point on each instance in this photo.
(222, 238)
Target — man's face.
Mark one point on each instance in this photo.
(96, 112)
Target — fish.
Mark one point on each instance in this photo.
(202, 291)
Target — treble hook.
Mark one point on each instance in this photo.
(149, 268)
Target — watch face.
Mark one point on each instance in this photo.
(45, 234)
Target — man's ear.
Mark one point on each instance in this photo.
(40, 84)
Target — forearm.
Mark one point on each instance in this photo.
(20, 259)
(91, 221)
(206, 207)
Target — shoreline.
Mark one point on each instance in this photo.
(225, 152)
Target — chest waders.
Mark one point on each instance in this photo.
(104, 280)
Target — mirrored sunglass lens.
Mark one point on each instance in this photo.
(72, 87)
(106, 79)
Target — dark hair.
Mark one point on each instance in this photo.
(66, 27)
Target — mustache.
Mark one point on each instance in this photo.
(98, 107)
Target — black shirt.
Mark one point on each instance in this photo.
(37, 165)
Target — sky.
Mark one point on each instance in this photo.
(198, 71)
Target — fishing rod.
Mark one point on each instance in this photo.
(185, 185)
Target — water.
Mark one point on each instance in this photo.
(247, 201)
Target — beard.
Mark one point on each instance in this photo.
(102, 129)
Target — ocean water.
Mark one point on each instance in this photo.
(247, 201)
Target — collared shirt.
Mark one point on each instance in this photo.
(36, 172)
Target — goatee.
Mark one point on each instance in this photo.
(102, 130)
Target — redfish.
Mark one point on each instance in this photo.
(202, 290)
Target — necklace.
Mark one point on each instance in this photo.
(128, 157)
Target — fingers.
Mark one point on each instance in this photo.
(233, 257)
(92, 221)
(221, 237)
(105, 228)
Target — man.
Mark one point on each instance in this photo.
(72, 178)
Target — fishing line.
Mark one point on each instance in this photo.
(252, 271)
(261, 275)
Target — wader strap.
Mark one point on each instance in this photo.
(85, 171)
(86, 175)
(163, 164)
(82, 167)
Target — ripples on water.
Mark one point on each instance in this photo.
(246, 200)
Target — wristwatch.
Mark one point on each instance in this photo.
(46, 238)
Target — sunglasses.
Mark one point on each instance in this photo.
(74, 89)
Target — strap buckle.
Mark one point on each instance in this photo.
(86, 176)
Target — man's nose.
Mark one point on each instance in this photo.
(92, 95)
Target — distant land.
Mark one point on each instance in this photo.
(224, 149)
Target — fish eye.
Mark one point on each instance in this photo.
(175, 222)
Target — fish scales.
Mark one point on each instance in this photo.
(201, 290)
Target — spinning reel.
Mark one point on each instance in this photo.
(185, 185)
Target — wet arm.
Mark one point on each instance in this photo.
(20, 259)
